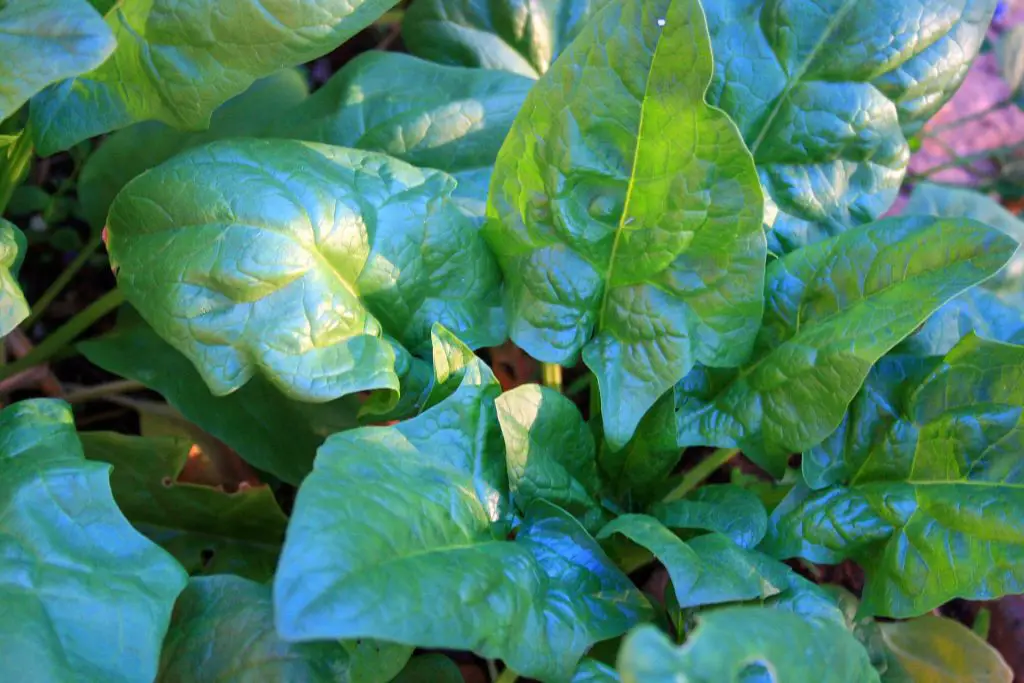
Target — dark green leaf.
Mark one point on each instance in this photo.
(430, 668)
(13, 307)
(606, 245)
(85, 597)
(833, 309)
(591, 671)
(138, 148)
(428, 115)
(936, 650)
(748, 645)
(640, 469)
(293, 261)
(207, 530)
(390, 511)
(682, 564)
(825, 92)
(934, 489)
(223, 632)
(726, 509)
(550, 452)
(44, 41)
(269, 431)
(177, 62)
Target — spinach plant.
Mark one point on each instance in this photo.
(680, 204)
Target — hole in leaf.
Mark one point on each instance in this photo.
(757, 672)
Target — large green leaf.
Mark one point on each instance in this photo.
(44, 41)
(606, 244)
(138, 148)
(682, 564)
(177, 62)
(642, 467)
(744, 645)
(511, 35)
(550, 452)
(932, 649)
(208, 530)
(270, 431)
(723, 508)
(390, 511)
(13, 307)
(833, 309)
(932, 504)
(223, 632)
(85, 597)
(295, 260)
(825, 91)
(429, 115)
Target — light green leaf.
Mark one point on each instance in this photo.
(176, 63)
(932, 649)
(729, 510)
(207, 530)
(428, 115)
(933, 494)
(138, 148)
(605, 246)
(550, 452)
(13, 307)
(292, 261)
(747, 644)
(511, 35)
(832, 310)
(223, 632)
(731, 573)
(44, 41)
(85, 597)
(826, 92)
(682, 564)
(430, 668)
(390, 511)
(268, 430)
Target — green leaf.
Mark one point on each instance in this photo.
(13, 307)
(138, 148)
(392, 510)
(729, 510)
(826, 93)
(524, 38)
(1010, 51)
(550, 452)
(223, 631)
(428, 115)
(207, 530)
(832, 310)
(939, 650)
(682, 564)
(640, 469)
(292, 261)
(268, 430)
(591, 671)
(605, 246)
(731, 573)
(934, 491)
(176, 63)
(85, 597)
(44, 41)
(430, 668)
(744, 645)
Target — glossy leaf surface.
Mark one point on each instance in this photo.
(723, 508)
(682, 564)
(932, 486)
(177, 62)
(13, 307)
(641, 468)
(207, 530)
(293, 260)
(832, 310)
(606, 245)
(85, 596)
(44, 41)
(223, 631)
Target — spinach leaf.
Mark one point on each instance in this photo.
(223, 630)
(428, 115)
(293, 261)
(726, 509)
(932, 490)
(748, 644)
(932, 648)
(13, 307)
(207, 530)
(44, 41)
(832, 310)
(177, 62)
(85, 596)
(606, 246)
(430, 668)
(680, 561)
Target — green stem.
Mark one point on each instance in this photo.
(704, 469)
(595, 398)
(551, 375)
(54, 290)
(507, 676)
(14, 167)
(65, 334)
